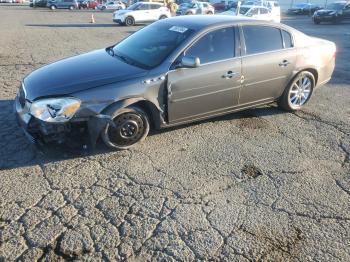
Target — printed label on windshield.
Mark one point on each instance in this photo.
(179, 29)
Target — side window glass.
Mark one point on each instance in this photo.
(287, 38)
(260, 39)
(263, 11)
(254, 11)
(214, 46)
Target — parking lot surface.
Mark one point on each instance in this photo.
(258, 185)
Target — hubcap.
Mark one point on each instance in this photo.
(300, 91)
(129, 129)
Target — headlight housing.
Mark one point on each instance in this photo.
(55, 110)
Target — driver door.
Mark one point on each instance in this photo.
(213, 87)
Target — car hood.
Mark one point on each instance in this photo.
(78, 73)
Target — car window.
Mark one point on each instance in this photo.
(145, 7)
(253, 11)
(153, 6)
(263, 11)
(287, 39)
(214, 46)
(260, 39)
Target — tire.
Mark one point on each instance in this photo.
(298, 92)
(53, 7)
(129, 21)
(210, 13)
(317, 22)
(163, 17)
(132, 127)
(103, 8)
(71, 7)
(189, 13)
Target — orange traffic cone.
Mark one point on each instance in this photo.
(92, 19)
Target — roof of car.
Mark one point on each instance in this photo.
(202, 21)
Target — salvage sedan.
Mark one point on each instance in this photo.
(172, 72)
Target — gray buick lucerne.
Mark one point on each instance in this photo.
(174, 71)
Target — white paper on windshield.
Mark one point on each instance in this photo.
(179, 29)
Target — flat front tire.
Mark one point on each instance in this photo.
(298, 92)
(131, 127)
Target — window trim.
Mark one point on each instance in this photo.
(243, 44)
(236, 51)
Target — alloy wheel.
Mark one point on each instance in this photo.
(300, 92)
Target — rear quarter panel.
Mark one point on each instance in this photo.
(317, 54)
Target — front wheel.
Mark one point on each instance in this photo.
(53, 7)
(162, 17)
(298, 93)
(129, 21)
(131, 127)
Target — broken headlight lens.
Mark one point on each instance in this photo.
(55, 109)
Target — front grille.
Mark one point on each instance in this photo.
(22, 96)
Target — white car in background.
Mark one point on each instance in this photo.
(141, 12)
(256, 12)
(112, 5)
(273, 6)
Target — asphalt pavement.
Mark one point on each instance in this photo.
(262, 184)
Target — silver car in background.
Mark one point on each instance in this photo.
(195, 8)
(174, 71)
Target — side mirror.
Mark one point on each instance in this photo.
(190, 62)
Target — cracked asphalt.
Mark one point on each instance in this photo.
(257, 185)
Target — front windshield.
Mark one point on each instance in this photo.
(244, 10)
(134, 6)
(150, 46)
(335, 6)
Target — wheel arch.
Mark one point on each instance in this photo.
(314, 72)
(152, 111)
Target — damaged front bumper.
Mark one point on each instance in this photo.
(85, 130)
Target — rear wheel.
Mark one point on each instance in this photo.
(131, 127)
(129, 21)
(298, 93)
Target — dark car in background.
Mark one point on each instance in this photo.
(38, 3)
(334, 12)
(84, 4)
(303, 9)
(223, 5)
(62, 4)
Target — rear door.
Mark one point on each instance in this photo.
(154, 12)
(211, 88)
(268, 62)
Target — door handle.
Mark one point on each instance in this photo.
(229, 75)
(284, 63)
